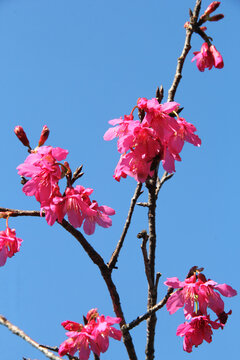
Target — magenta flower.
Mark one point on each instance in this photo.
(199, 329)
(208, 57)
(144, 144)
(78, 207)
(97, 214)
(94, 336)
(197, 294)
(43, 169)
(9, 244)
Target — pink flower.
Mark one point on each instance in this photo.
(217, 57)
(93, 336)
(197, 294)
(144, 144)
(208, 57)
(43, 168)
(97, 214)
(9, 244)
(79, 208)
(103, 330)
(199, 329)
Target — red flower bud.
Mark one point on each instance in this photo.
(212, 7)
(216, 17)
(44, 135)
(21, 135)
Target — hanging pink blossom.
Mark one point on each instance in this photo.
(159, 137)
(208, 57)
(93, 336)
(196, 292)
(197, 330)
(9, 244)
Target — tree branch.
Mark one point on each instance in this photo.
(16, 331)
(97, 260)
(112, 262)
(185, 51)
(151, 311)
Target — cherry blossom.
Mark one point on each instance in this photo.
(197, 330)
(93, 336)
(158, 137)
(208, 57)
(9, 244)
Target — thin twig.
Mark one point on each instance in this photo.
(185, 51)
(151, 311)
(166, 176)
(112, 262)
(16, 331)
(143, 235)
(143, 204)
(55, 348)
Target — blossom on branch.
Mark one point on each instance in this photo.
(158, 137)
(43, 169)
(9, 244)
(93, 336)
(208, 57)
(196, 294)
(197, 330)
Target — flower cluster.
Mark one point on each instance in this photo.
(196, 294)
(44, 169)
(208, 56)
(159, 137)
(93, 336)
(9, 244)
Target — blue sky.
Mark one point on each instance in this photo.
(74, 65)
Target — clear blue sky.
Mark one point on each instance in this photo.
(74, 65)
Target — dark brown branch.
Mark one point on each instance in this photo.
(151, 311)
(152, 291)
(112, 262)
(105, 272)
(16, 331)
(185, 51)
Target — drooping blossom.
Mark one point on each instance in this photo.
(208, 57)
(43, 169)
(158, 137)
(79, 208)
(93, 336)
(9, 244)
(198, 329)
(197, 293)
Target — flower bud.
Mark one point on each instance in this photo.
(21, 135)
(203, 28)
(211, 8)
(216, 17)
(92, 314)
(44, 135)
